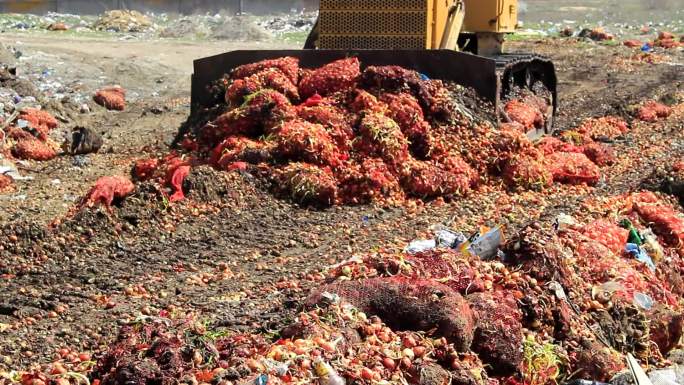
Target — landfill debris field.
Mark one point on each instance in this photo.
(339, 224)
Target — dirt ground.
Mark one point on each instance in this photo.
(235, 261)
(157, 76)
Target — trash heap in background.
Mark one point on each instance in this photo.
(340, 134)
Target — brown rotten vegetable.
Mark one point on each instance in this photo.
(409, 304)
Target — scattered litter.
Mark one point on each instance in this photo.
(486, 246)
(420, 246)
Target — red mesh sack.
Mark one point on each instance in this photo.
(448, 267)
(19, 134)
(271, 78)
(652, 111)
(527, 172)
(382, 137)
(409, 304)
(664, 35)
(505, 144)
(423, 179)
(6, 183)
(406, 111)
(365, 101)
(309, 142)
(111, 98)
(239, 148)
(334, 121)
(665, 221)
(261, 113)
(307, 184)
(107, 189)
(548, 145)
(608, 234)
(667, 43)
(536, 101)
(145, 169)
(33, 149)
(42, 121)
(389, 78)
(515, 126)
(633, 43)
(436, 100)
(499, 334)
(337, 76)
(600, 154)
(572, 168)
(524, 113)
(595, 259)
(368, 181)
(287, 65)
(454, 164)
(599, 34)
(609, 127)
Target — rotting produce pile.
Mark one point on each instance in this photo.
(561, 300)
(568, 300)
(340, 134)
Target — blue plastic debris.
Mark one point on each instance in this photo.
(644, 301)
(261, 380)
(640, 254)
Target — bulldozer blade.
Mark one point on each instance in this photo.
(484, 75)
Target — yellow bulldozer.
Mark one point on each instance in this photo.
(461, 41)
